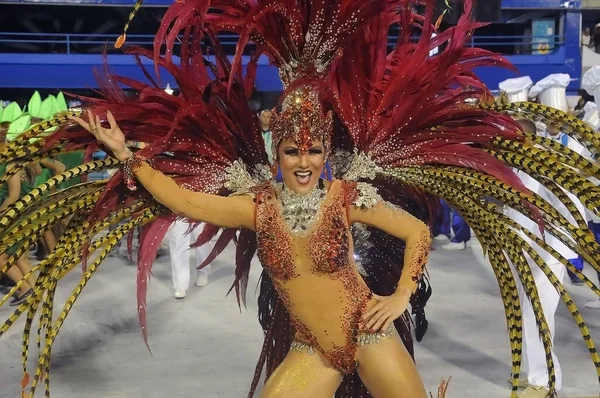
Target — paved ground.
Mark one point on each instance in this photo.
(203, 346)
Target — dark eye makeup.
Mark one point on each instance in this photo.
(291, 151)
(296, 151)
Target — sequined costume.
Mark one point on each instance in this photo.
(394, 121)
(311, 262)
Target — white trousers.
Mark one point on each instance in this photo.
(179, 250)
(535, 358)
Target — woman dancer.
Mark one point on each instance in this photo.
(305, 245)
(395, 127)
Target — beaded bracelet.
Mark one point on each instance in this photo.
(133, 162)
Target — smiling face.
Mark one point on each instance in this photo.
(301, 169)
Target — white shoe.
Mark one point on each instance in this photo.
(441, 238)
(455, 246)
(535, 392)
(594, 304)
(202, 279)
(179, 294)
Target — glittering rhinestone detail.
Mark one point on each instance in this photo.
(300, 212)
(240, 181)
(367, 196)
(354, 166)
(302, 347)
(365, 338)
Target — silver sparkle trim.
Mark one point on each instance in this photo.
(240, 181)
(302, 347)
(364, 339)
(360, 236)
(367, 196)
(354, 166)
(300, 211)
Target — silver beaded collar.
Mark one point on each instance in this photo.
(299, 211)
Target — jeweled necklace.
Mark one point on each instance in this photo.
(299, 211)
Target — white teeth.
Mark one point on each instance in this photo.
(303, 177)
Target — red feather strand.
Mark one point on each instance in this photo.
(151, 237)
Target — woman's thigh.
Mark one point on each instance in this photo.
(388, 371)
(302, 375)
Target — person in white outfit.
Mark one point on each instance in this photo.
(551, 91)
(591, 84)
(180, 239)
(536, 385)
(535, 357)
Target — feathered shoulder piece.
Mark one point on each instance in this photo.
(241, 182)
(416, 121)
(361, 194)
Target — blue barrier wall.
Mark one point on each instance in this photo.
(75, 71)
(528, 4)
(545, 4)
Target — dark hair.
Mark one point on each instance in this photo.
(3, 131)
(585, 95)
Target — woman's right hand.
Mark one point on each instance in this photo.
(113, 138)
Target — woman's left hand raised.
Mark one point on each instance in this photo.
(388, 308)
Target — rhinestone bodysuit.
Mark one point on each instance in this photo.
(310, 261)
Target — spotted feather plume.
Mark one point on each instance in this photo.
(194, 137)
(424, 120)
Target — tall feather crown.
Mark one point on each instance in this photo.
(304, 39)
(302, 120)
